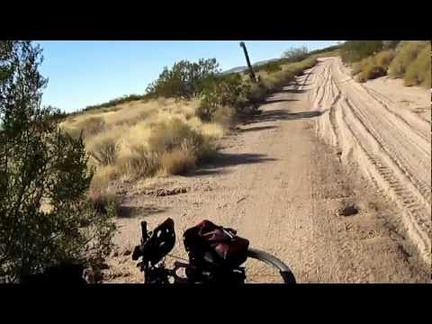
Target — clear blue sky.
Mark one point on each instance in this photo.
(83, 73)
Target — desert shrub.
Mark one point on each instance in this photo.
(359, 66)
(296, 54)
(373, 66)
(207, 151)
(269, 67)
(257, 92)
(298, 68)
(40, 164)
(223, 116)
(178, 161)
(384, 58)
(182, 139)
(406, 53)
(89, 126)
(285, 77)
(371, 71)
(102, 177)
(228, 90)
(231, 91)
(184, 79)
(103, 148)
(419, 71)
(207, 110)
(172, 134)
(354, 51)
(138, 162)
(309, 63)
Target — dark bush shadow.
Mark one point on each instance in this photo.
(295, 90)
(221, 160)
(283, 114)
(256, 129)
(205, 170)
(304, 114)
(228, 159)
(134, 211)
(271, 100)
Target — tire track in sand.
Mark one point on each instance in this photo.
(393, 152)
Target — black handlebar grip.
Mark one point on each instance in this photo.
(144, 231)
(137, 253)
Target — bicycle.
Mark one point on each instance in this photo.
(156, 245)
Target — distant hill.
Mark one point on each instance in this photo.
(265, 61)
(235, 70)
(243, 68)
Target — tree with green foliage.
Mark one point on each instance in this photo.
(185, 79)
(46, 216)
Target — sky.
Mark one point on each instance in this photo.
(84, 73)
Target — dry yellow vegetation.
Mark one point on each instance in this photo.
(146, 138)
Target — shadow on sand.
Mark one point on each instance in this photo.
(134, 211)
(222, 160)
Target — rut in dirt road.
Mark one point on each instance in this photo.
(391, 146)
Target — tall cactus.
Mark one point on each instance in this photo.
(251, 71)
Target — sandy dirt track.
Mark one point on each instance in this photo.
(390, 144)
(281, 186)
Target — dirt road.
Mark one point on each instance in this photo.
(391, 145)
(281, 186)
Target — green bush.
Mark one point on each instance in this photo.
(206, 110)
(257, 92)
(384, 58)
(371, 71)
(354, 51)
(373, 66)
(280, 79)
(270, 67)
(419, 71)
(227, 90)
(406, 53)
(184, 80)
(308, 63)
(46, 217)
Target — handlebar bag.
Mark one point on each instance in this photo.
(210, 244)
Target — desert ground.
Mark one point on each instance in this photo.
(282, 178)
